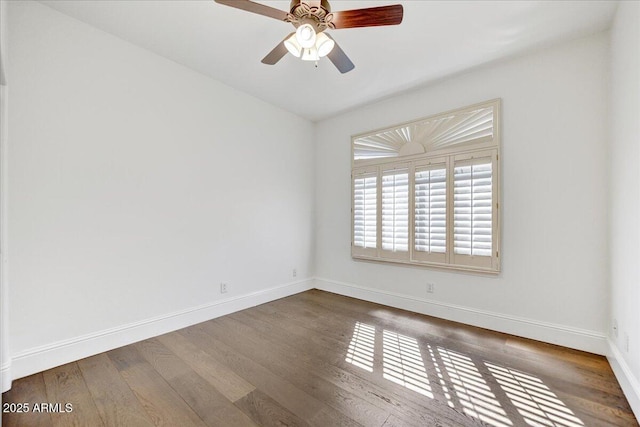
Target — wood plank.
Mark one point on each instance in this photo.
(161, 402)
(114, 400)
(284, 365)
(214, 408)
(336, 359)
(618, 416)
(544, 350)
(205, 400)
(65, 385)
(28, 390)
(367, 394)
(385, 394)
(225, 380)
(267, 412)
(328, 416)
(296, 399)
(163, 360)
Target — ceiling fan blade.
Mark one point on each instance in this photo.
(258, 8)
(371, 17)
(339, 58)
(277, 53)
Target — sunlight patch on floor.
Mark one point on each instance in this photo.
(443, 383)
(362, 346)
(460, 381)
(472, 391)
(402, 363)
(537, 404)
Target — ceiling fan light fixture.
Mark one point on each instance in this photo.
(293, 46)
(324, 45)
(306, 36)
(311, 19)
(310, 54)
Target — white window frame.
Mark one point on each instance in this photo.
(448, 156)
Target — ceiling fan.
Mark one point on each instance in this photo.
(311, 18)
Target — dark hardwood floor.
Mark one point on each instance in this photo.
(325, 360)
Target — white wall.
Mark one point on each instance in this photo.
(136, 187)
(553, 284)
(5, 354)
(625, 198)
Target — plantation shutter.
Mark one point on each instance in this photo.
(395, 213)
(430, 212)
(365, 212)
(473, 211)
(427, 192)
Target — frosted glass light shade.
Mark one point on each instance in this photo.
(293, 46)
(306, 36)
(324, 45)
(310, 54)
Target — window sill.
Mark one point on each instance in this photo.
(430, 265)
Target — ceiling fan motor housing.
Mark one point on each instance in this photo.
(324, 4)
(318, 14)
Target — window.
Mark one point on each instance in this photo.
(427, 193)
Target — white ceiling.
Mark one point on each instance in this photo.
(436, 38)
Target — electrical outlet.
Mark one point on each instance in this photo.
(294, 273)
(223, 288)
(614, 326)
(431, 288)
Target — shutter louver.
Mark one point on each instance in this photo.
(395, 211)
(431, 210)
(365, 206)
(472, 204)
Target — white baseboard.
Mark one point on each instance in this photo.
(580, 339)
(58, 353)
(629, 383)
(5, 377)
